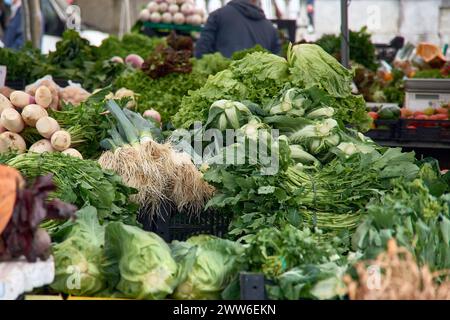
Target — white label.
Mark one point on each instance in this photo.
(2, 76)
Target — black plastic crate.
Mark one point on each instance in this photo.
(16, 84)
(437, 131)
(171, 225)
(385, 130)
(252, 286)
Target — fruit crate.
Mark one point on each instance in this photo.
(385, 130)
(437, 131)
(170, 224)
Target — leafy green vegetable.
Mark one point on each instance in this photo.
(138, 264)
(208, 266)
(211, 64)
(78, 258)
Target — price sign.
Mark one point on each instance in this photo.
(2, 76)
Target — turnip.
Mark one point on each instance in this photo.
(43, 96)
(178, 18)
(134, 60)
(171, 1)
(12, 121)
(123, 93)
(4, 103)
(12, 142)
(42, 146)
(21, 99)
(61, 140)
(180, 1)
(73, 153)
(32, 113)
(153, 114)
(187, 9)
(173, 8)
(163, 6)
(189, 19)
(47, 126)
(152, 7)
(196, 19)
(155, 17)
(117, 59)
(2, 129)
(144, 15)
(166, 17)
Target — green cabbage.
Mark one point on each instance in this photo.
(138, 263)
(208, 265)
(78, 257)
(310, 66)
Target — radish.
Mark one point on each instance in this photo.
(178, 18)
(4, 103)
(117, 59)
(173, 8)
(134, 60)
(47, 126)
(73, 153)
(152, 114)
(32, 113)
(187, 8)
(196, 19)
(144, 15)
(43, 96)
(162, 7)
(21, 99)
(61, 140)
(12, 121)
(167, 17)
(155, 17)
(12, 142)
(42, 146)
(152, 7)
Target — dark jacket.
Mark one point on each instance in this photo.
(13, 37)
(237, 26)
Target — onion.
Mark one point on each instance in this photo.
(196, 19)
(167, 17)
(163, 6)
(152, 7)
(187, 9)
(144, 15)
(173, 8)
(155, 17)
(178, 18)
(152, 114)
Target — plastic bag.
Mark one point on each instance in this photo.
(74, 94)
(49, 83)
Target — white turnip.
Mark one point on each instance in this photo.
(134, 60)
(166, 17)
(171, 1)
(173, 8)
(47, 126)
(42, 146)
(178, 18)
(152, 114)
(144, 15)
(163, 7)
(196, 19)
(187, 9)
(43, 96)
(2, 129)
(152, 7)
(12, 121)
(20, 99)
(155, 17)
(117, 59)
(12, 142)
(73, 153)
(61, 140)
(32, 113)
(4, 103)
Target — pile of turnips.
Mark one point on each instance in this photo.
(22, 110)
(173, 11)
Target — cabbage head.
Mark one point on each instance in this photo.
(78, 258)
(138, 263)
(208, 265)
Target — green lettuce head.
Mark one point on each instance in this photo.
(138, 263)
(208, 265)
(78, 258)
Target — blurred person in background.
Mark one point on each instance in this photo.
(4, 12)
(239, 25)
(310, 12)
(13, 36)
